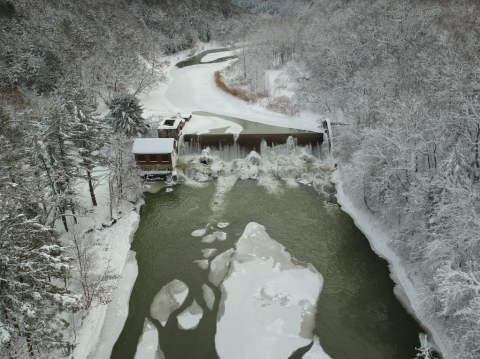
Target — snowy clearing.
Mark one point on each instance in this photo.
(269, 303)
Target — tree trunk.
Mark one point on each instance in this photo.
(90, 186)
(64, 219)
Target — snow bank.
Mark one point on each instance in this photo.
(268, 304)
(167, 300)
(190, 317)
(117, 310)
(407, 288)
(148, 344)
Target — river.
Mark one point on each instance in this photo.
(358, 315)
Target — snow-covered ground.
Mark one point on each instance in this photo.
(408, 287)
(192, 88)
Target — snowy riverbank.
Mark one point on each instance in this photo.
(408, 287)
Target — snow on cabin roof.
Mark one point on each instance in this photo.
(170, 123)
(144, 146)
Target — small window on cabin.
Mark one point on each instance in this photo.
(153, 158)
(165, 158)
(141, 158)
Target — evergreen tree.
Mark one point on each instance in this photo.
(125, 115)
(31, 258)
(88, 132)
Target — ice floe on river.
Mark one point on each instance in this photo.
(208, 252)
(202, 263)
(222, 224)
(219, 267)
(208, 296)
(199, 232)
(268, 303)
(167, 300)
(190, 317)
(148, 344)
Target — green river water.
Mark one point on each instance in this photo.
(358, 316)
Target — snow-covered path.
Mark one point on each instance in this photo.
(193, 88)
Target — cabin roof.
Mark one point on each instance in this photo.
(170, 123)
(144, 146)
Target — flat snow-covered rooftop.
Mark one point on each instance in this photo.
(143, 146)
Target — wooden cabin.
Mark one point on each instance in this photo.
(155, 156)
(171, 127)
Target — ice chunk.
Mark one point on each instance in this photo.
(169, 190)
(219, 267)
(190, 317)
(168, 299)
(316, 351)
(202, 263)
(221, 236)
(208, 252)
(209, 239)
(199, 232)
(222, 224)
(268, 303)
(208, 296)
(148, 344)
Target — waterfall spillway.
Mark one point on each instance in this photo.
(229, 147)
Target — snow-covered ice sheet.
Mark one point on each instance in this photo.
(148, 347)
(190, 317)
(208, 296)
(316, 351)
(204, 124)
(167, 300)
(217, 55)
(219, 267)
(269, 303)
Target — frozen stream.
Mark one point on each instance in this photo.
(357, 314)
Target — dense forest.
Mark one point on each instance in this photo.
(400, 81)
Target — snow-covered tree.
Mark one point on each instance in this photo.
(125, 115)
(32, 267)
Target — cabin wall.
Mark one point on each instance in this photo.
(150, 165)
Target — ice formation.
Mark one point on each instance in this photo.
(208, 296)
(221, 236)
(208, 252)
(168, 299)
(268, 303)
(202, 263)
(148, 347)
(222, 224)
(316, 351)
(199, 232)
(190, 317)
(219, 267)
